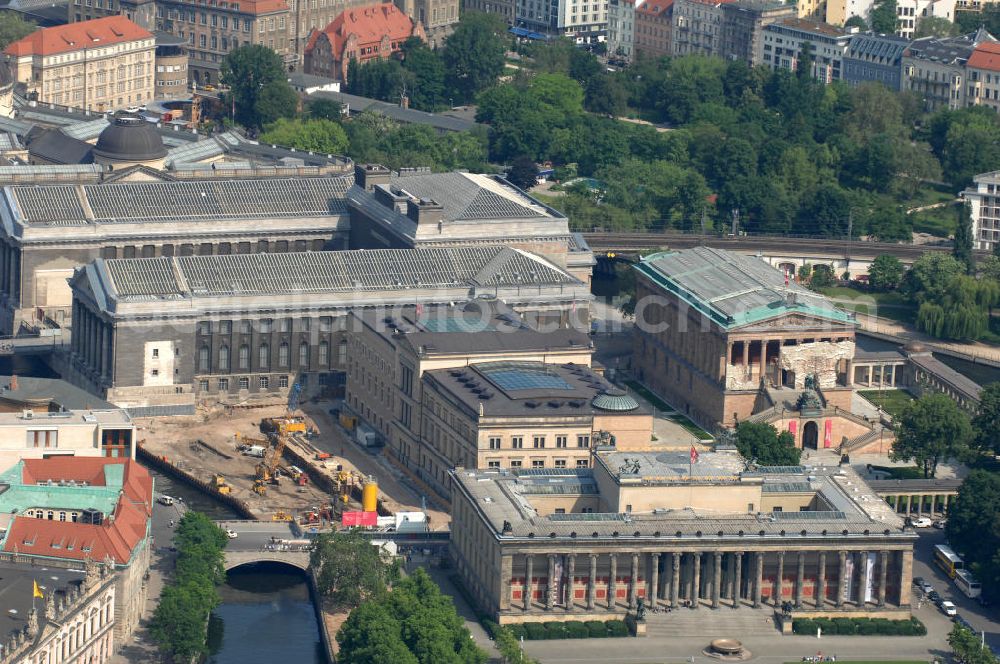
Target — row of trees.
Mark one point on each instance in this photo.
(179, 624)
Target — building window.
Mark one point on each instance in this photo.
(156, 353)
(204, 355)
(561, 441)
(492, 464)
(264, 382)
(244, 327)
(582, 463)
(583, 441)
(244, 383)
(539, 442)
(43, 438)
(538, 463)
(326, 323)
(204, 327)
(286, 324)
(282, 381)
(244, 359)
(203, 385)
(303, 354)
(494, 442)
(264, 356)
(223, 384)
(560, 463)
(223, 358)
(324, 353)
(515, 463)
(283, 354)
(517, 442)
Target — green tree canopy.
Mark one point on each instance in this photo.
(962, 249)
(411, 624)
(349, 570)
(935, 26)
(930, 430)
(885, 273)
(474, 54)
(325, 109)
(13, 27)
(974, 527)
(930, 275)
(523, 173)
(883, 18)
(322, 136)
(258, 90)
(856, 22)
(986, 423)
(761, 441)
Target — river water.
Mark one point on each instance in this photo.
(266, 614)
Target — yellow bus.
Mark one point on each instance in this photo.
(948, 560)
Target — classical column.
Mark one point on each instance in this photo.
(746, 354)
(905, 576)
(862, 568)
(800, 580)
(654, 583)
(506, 572)
(571, 574)
(675, 582)
(717, 580)
(779, 581)
(551, 586)
(821, 581)
(883, 564)
(920, 506)
(528, 586)
(613, 581)
(696, 585)
(841, 579)
(737, 595)
(758, 578)
(592, 583)
(633, 586)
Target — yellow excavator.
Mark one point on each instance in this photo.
(266, 472)
(220, 484)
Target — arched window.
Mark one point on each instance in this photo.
(204, 358)
(342, 351)
(223, 358)
(303, 354)
(244, 357)
(264, 356)
(283, 354)
(324, 353)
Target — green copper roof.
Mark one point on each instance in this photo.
(732, 289)
(19, 496)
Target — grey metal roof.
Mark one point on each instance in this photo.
(357, 104)
(193, 152)
(868, 348)
(884, 49)
(136, 202)
(467, 197)
(87, 129)
(968, 387)
(57, 148)
(327, 271)
(9, 141)
(949, 50)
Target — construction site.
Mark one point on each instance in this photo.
(280, 465)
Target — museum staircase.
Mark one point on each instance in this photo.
(712, 623)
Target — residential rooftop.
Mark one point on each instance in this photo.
(948, 50)
(733, 289)
(29, 417)
(84, 35)
(812, 27)
(17, 585)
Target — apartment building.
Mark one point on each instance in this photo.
(781, 46)
(935, 68)
(621, 28)
(652, 29)
(871, 57)
(697, 27)
(983, 76)
(583, 21)
(984, 201)
(99, 65)
(32, 434)
(910, 12)
(743, 27)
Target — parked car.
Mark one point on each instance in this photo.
(940, 523)
(918, 581)
(926, 587)
(964, 623)
(921, 522)
(230, 533)
(948, 608)
(935, 597)
(165, 500)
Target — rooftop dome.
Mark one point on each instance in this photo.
(915, 347)
(614, 399)
(129, 137)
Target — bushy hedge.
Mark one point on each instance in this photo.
(574, 629)
(859, 626)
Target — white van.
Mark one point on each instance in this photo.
(165, 500)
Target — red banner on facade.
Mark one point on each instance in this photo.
(793, 427)
(828, 434)
(363, 519)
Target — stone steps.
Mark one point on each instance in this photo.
(712, 624)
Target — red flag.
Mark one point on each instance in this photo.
(694, 455)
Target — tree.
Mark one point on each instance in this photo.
(411, 624)
(885, 273)
(761, 441)
(962, 250)
(325, 109)
(986, 423)
(474, 54)
(323, 136)
(806, 60)
(606, 95)
(967, 647)
(248, 71)
(929, 276)
(276, 100)
(930, 430)
(349, 569)
(508, 647)
(935, 26)
(856, 22)
(523, 173)
(882, 18)
(425, 67)
(822, 276)
(974, 527)
(13, 27)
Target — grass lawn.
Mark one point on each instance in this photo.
(891, 401)
(939, 222)
(668, 411)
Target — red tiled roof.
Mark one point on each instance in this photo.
(369, 23)
(986, 56)
(654, 7)
(77, 36)
(115, 538)
(261, 6)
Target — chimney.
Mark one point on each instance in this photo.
(367, 176)
(424, 211)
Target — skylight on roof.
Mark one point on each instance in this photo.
(513, 376)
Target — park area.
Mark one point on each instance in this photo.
(891, 401)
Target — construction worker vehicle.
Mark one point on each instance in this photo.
(220, 484)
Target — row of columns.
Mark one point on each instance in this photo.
(92, 341)
(733, 577)
(914, 504)
(10, 272)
